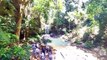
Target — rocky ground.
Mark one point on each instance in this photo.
(77, 53)
(73, 53)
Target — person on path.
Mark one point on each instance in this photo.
(34, 49)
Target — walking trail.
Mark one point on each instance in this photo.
(65, 52)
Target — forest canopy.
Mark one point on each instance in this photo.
(24, 21)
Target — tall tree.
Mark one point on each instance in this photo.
(6, 8)
(40, 8)
(97, 11)
(19, 8)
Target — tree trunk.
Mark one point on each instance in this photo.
(19, 11)
(18, 16)
(18, 24)
(26, 33)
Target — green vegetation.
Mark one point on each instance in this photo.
(23, 21)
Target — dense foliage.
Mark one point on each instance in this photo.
(23, 20)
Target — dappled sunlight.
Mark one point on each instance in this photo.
(82, 31)
(53, 29)
(96, 30)
(74, 53)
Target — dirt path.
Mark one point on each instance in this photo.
(65, 52)
(73, 53)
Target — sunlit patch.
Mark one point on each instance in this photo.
(96, 30)
(82, 31)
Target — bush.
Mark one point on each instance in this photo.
(7, 38)
(8, 50)
(88, 44)
(49, 41)
(7, 23)
(14, 52)
(77, 42)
